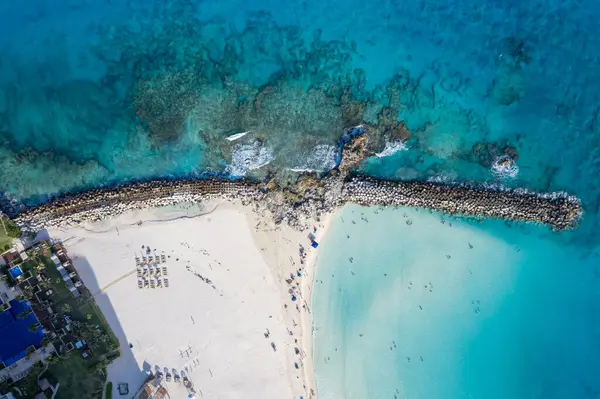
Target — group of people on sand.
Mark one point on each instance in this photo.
(295, 293)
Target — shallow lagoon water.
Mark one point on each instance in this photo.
(405, 308)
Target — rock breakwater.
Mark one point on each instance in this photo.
(309, 197)
(560, 212)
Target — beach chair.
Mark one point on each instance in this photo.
(145, 283)
(163, 258)
(150, 259)
(157, 272)
(166, 283)
(159, 283)
(139, 273)
(140, 284)
(164, 270)
(152, 284)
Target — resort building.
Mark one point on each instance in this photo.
(67, 273)
(153, 389)
(21, 339)
(12, 257)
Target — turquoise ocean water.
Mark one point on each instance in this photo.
(101, 92)
(406, 306)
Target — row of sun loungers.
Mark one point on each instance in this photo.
(152, 272)
(149, 260)
(152, 283)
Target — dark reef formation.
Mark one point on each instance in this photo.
(310, 196)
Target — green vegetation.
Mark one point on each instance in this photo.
(109, 388)
(29, 351)
(28, 384)
(75, 374)
(79, 379)
(5, 241)
(12, 230)
(24, 314)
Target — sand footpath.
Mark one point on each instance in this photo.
(237, 286)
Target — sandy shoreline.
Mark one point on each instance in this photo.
(307, 320)
(231, 355)
(280, 247)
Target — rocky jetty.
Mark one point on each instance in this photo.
(99, 204)
(557, 211)
(311, 196)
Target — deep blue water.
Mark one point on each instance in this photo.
(100, 92)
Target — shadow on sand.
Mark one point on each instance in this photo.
(124, 369)
(126, 365)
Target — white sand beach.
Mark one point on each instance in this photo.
(226, 270)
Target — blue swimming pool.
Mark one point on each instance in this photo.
(15, 272)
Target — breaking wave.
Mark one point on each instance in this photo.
(320, 159)
(237, 136)
(505, 166)
(246, 157)
(391, 148)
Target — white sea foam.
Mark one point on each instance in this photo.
(246, 157)
(444, 178)
(505, 166)
(237, 136)
(391, 148)
(320, 159)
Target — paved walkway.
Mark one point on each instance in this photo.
(107, 286)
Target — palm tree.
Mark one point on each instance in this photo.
(52, 359)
